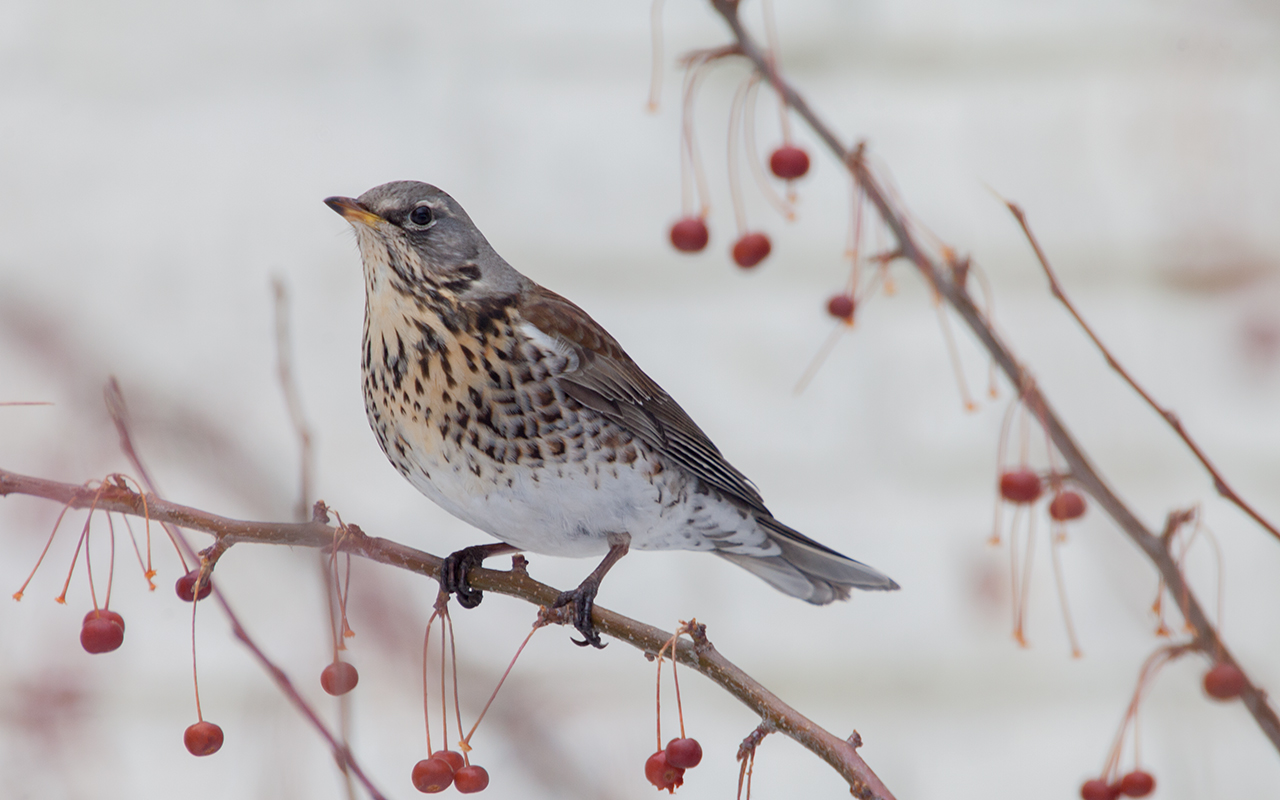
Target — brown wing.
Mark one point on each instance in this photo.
(608, 382)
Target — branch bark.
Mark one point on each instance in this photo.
(700, 655)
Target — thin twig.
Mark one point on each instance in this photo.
(698, 654)
(1219, 483)
(957, 295)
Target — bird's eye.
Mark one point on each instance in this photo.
(420, 215)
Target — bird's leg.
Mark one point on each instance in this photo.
(584, 597)
(454, 569)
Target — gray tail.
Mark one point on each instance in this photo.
(806, 569)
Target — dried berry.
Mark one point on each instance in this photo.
(684, 753)
(1020, 486)
(431, 775)
(789, 162)
(472, 779)
(339, 678)
(662, 774)
(1223, 682)
(203, 738)
(751, 249)
(1066, 505)
(690, 234)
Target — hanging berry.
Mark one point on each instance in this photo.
(663, 774)
(102, 631)
(751, 249)
(471, 779)
(789, 162)
(841, 306)
(1020, 486)
(690, 234)
(339, 678)
(1066, 505)
(1224, 682)
(186, 587)
(431, 775)
(203, 738)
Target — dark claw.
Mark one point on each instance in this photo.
(583, 599)
(453, 575)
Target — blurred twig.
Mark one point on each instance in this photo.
(949, 281)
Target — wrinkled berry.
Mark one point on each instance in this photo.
(662, 774)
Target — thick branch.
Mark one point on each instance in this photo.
(950, 285)
(702, 657)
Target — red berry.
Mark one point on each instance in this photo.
(662, 774)
(203, 738)
(102, 631)
(451, 757)
(1066, 505)
(431, 775)
(751, 249)
(690, 235)
(841, 307)
(185, 587)
(1137, 784)
(339, 678)
(1020, 486)
(1223, 682)
(470, 780)
(1098, 789)
(789, 162)
(684, 753)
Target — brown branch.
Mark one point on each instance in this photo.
(700, 654)
(957, 295)
(1219, 483)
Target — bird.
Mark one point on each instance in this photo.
(515, 411)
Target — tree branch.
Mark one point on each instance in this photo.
(699, 654)
(949, 283)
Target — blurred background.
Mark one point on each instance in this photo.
(162, 162)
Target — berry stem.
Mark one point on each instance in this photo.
(1061, 583)
(195, 675)
(466, 740)
(426, 705)
(735, 180)
(111, 564)
(754, 161)
(655, 74)
(689, 143)
(954, 353)
(58, 522)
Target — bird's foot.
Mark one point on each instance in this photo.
(583, 600)
(454, 569)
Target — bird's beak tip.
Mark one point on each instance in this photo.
(352, 211)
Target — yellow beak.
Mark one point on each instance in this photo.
(353, 212)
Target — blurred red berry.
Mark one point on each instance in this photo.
(102, 631)
(1098, 789)
(690, 234)
(470, 780)
(662, 774)
(1020, 486)
(1223, 682)
(431, 775)
(1137, 784)
(186, 585)
(203, 738)
(684, 753)
(451, 757)
(1066, 505)
(841, 307)
(789, 162)
(339, 678)
(751, 249)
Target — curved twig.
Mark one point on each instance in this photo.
(950, 284)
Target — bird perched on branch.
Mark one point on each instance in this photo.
(516, 412)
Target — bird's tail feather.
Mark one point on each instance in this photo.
(808, 570)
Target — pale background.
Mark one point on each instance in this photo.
(160, 162)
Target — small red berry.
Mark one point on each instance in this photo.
(1020, 486)
(339, 678)
(1223, 682)
(789, 162)
(203, 738)
(662, 774)
(102, 631)
(751, 249)
(841, 307)
(470, 780)
(186, 585)
(1098, 789)
(431, 775)
(690, 234)
(1066, 505)
(684, 753)
(451, 757)
(1137, 784)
